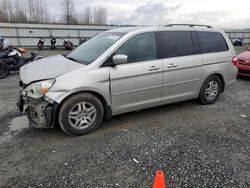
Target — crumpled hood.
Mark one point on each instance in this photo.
(46, 68)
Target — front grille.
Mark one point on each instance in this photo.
(244, 71)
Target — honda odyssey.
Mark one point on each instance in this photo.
(123, 70)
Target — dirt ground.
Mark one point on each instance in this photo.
(195, 145)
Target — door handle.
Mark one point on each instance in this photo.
(172, 65)
(153, 68)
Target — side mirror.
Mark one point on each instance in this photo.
(120, 59)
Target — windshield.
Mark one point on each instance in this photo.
(89, 51)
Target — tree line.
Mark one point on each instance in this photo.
(36, 11)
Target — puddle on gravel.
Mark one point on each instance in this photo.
(16, 125)
(19, 123)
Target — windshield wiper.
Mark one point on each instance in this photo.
(78, 61)
(72, 59)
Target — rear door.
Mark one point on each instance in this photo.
(217, 57)
(181, 65)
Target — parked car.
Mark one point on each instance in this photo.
(123, 70)
(243, 63)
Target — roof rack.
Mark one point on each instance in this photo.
(190, 25)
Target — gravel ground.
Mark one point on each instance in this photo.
(195, 145)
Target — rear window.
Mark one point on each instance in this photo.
(212, 42)
(174, 43)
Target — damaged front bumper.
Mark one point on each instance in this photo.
(40, 111)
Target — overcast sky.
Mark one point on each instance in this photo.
(218, 13)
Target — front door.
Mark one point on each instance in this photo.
(138, 83)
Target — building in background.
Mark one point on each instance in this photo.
(27, 35)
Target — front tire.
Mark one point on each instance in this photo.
(211, 90)
(81, 114)
(4, 70)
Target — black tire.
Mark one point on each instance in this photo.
(69, 104)
(4, 70)
(204, 98)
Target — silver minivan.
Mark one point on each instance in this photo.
(123, 70)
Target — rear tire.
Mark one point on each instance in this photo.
(80, 114)
(211, 90)
(4, 70)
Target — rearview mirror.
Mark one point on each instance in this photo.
(120, 59)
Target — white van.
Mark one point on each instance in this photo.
(126, 69)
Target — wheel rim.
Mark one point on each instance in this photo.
(2, 69)
(211, 90)
(82, 115)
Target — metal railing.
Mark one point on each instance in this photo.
(27, 35)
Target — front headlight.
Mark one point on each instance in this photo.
(39, 89)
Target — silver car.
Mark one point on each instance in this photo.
(123, 70)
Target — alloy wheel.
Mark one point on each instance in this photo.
(82, 115)
(211, 90)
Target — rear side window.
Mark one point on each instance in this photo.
(174, 43)
(212, 42)
(141, 47)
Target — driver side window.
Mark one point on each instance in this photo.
(141, 47)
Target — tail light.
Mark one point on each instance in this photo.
(235, 60)
(22, 50)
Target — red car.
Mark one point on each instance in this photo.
(243, 63)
